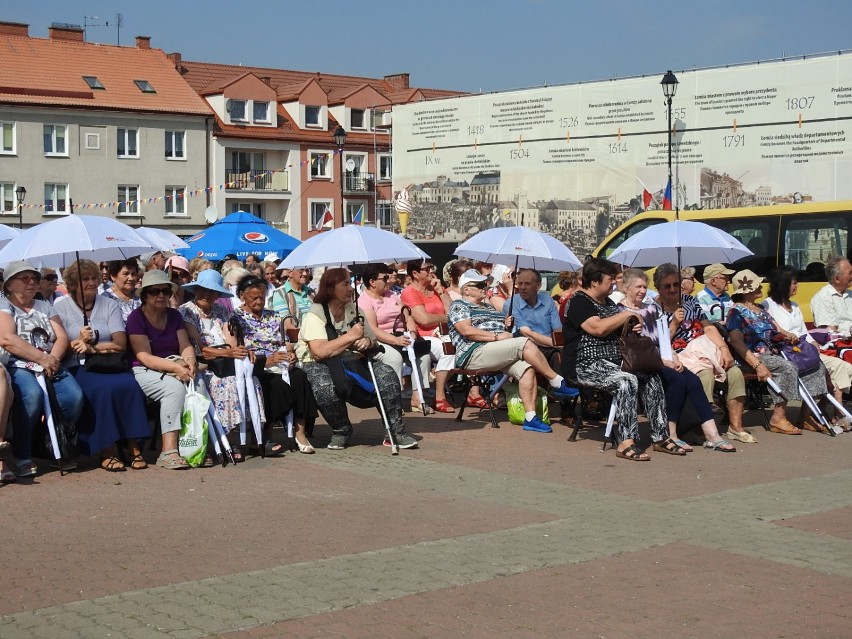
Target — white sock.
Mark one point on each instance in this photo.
(529, 415)
(556, 382)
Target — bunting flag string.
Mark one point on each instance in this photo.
(128, 204)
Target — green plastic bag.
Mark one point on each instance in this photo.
(192, 443)
(516, 406)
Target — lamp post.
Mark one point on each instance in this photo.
(669, 84)
(340, 141)
(21, 195)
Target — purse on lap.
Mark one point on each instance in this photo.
(639, 354)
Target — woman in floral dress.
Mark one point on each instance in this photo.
(206, 322)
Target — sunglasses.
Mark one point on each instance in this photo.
(478, 284)
(165, 290)
(50, 278)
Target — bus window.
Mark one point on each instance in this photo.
(758, 235)
(629, 232)
(811, 241)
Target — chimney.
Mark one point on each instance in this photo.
(14, 29)
(398, 81)
(177, 60)
(67, 32)
(143, 42)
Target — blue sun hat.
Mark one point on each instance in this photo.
(211, 280)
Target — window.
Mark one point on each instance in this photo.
(7, 130)
(126, 142)
(318, 209)
(175, 200)
(144, 86)
(8, 201)
(128, 199)
(93, 141)
(760, 236)
(811, 241)
(385, 167)
(93, 82)
(320, 165)
(54, 139)
(261, 111)
(255, 208)
(384, 213)
(175, 145)
(312, 116)
(237, 110)
(358, 119)
(357, 211)
(55, 198)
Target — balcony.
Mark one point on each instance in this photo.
(358, 183)
(257, 181)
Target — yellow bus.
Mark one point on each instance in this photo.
(804, 236)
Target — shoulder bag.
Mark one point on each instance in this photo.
(639, 354)
(115, 362)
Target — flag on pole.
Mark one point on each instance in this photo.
(667, 197)
(646, 198)
(358, 218)
(326, 221)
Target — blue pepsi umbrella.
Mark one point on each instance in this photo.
(239, 234)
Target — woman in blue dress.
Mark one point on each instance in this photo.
(114, 407)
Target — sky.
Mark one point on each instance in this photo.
(464, 45)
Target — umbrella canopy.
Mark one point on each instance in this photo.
(240, 234)
(161, 239)
(59, 242)
(520, 247)
(7, 234)
(352, 245)
(682, 243)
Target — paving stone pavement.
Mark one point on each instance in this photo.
(522, 529)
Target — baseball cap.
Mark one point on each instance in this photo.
(712, 270)
(471, 276)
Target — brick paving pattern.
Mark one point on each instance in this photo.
(481, 532)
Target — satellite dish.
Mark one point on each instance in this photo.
(211, 214)
(228, 104)
(350, 165)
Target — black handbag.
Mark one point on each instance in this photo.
(220, 366)
(639, 354)
(117, 362)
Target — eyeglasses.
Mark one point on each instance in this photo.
(166, 290)
(27, 277)
(50, 278)
(383, 278)
(481, 285)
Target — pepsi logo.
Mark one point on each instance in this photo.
(256, 237)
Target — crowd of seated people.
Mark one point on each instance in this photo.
(300, 343)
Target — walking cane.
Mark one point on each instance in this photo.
(391, 436)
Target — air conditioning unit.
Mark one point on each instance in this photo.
(387, 118)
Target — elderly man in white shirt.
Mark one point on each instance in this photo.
(832, 304)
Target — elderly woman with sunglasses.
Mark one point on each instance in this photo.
(22, 318)
(114, 407)
(484, 341)
(163, 359)
(384, 316)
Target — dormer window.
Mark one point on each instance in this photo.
(237, 110)
(358, 119)
(261, 111)
(144, 86)
(93, 82)
(312, 116)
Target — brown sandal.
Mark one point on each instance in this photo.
(669, 446)
(112, 464)
(632, 453)
(784, 427)
(138, 463)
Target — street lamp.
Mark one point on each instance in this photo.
(21, 194)
(669, 84)
(340, 140)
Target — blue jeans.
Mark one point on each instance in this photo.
(28, 406)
